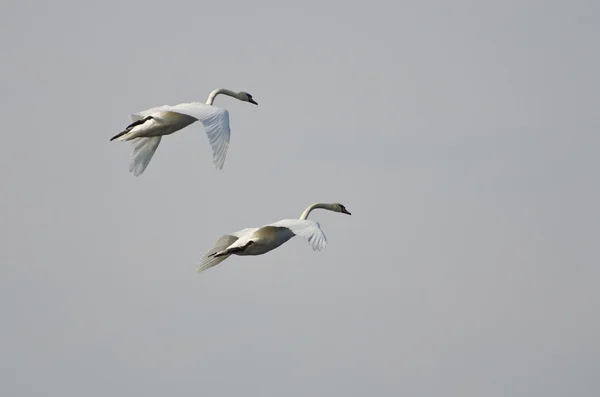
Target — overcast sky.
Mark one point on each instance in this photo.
(463, 137)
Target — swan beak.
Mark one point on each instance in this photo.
(345, 211)
(253, 101)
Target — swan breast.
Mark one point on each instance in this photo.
(173, 121)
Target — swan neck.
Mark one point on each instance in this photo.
(212, 96)
(311, 207)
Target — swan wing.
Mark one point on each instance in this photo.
(214, 119)
(222, 243)
(143, 150)
(307, 229)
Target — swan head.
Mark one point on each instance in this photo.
(337, 207)
(245, 97)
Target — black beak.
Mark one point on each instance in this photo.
(345, 211)
(253, 101)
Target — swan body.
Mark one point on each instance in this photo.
(260, 240)
(149, 126)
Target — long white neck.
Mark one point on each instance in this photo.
(211, 97)
(314, 206)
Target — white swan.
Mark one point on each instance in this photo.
(260, 240)
(148, 126)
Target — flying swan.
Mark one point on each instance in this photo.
(260, 240)
(148, 126)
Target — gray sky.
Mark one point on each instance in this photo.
(462, 136)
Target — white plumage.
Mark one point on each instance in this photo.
(148, 126)
(260, 240)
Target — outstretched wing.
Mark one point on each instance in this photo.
(221, 244)
(143, 150)
(307, 229)
(214, 119)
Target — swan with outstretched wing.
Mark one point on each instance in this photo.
(260, 240)
(149, 126)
